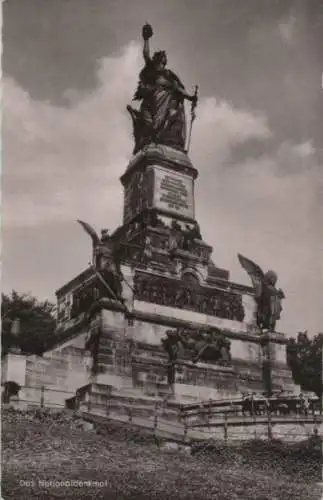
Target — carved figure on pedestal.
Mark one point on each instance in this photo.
(173, 243)
(108, 263)
(154, 221)
(209, 346)
(196, 232)
(172, 347)
(180, 239)
(147, 253)
(189, 235)
(268, 297)
(188, 294)
(161, 118)
(106, 260)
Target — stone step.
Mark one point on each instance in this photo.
(115, 398)
(120, 408)
(119, 389)
(106, 398)
(164, 429)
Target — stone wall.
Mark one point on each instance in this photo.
(147, 361)
(134, 354)
(130, 355)
(65, 367)
(60, 371)
(286, 432)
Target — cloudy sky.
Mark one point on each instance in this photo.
(69, 70)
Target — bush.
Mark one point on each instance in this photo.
(11, 389)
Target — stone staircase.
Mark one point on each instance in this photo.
(102, 402)
(108, 400)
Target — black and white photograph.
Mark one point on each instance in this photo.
(162, 249)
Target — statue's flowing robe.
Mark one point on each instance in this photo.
(270, 307)
(162, 113)
(275, 304)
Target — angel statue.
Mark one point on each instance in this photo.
(161, 118)
(106, 261)
(268, 297)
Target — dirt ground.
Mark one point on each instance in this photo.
(129, 465)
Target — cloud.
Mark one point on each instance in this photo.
(287, 29)
(64, 163)
(221, 124)
(60, 163)
(305, 149)
(266, 208)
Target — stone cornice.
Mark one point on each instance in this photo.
(81, 279)
(162, 155)
(173, 322)
(179, 323)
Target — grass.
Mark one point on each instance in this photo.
(132, 466)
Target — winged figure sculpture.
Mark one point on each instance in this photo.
(106, 261)
(268, 297)
(209, 346)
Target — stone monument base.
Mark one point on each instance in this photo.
(131, 362)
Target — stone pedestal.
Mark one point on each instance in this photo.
(131, 358)
(159, 178)
(171, 282)
(275, 363)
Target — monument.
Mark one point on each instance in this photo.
(163, 319)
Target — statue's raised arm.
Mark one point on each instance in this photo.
(147, 32)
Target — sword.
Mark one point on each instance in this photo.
(108, 287)
(193, 116)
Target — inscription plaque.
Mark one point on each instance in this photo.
(173, 192)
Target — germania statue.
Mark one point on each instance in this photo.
(268, 297)
(161, 117)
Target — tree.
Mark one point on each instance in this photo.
(33, 321)
(304, 356)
